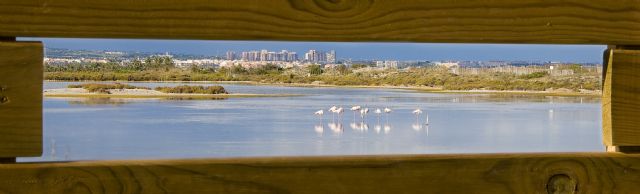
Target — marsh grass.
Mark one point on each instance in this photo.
(104, 88)
(186, 89)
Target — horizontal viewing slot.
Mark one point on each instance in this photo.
(150, 99)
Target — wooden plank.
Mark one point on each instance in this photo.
(621, 98)
(623, 149)
(495, 173)
(7, 160)
(472, 21)
(21, 66)
(2, 38)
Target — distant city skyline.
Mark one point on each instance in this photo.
(348, 50)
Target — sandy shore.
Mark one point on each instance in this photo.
(144, 93)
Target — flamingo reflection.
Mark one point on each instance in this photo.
(319, 129)
(387, 128)
(417, 126)
(362, 126)
(336, 128)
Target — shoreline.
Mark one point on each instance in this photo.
(179, 96)
(422, 89)
(145, 93)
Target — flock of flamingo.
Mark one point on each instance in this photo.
(339, 111)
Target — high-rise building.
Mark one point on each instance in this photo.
(320, 56)
(265, 55)
(231, 55)
(331, 56)
(312, 56)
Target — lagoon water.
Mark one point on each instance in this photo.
(98, 129)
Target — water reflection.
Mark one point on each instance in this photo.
(416, 126)
(319, 129)
(361, 127)
(239, 127)
(501, 98)
(387, 128)
(98, 101)
(336, 128)
(197, 98)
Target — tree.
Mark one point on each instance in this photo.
(359, 65)
(342, 69)
(315, 69)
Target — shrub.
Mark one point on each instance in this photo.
(104, 88)
(535, 75)
(185, 89)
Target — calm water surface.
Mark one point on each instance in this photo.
(96, 129)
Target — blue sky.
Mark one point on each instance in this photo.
(355, 51)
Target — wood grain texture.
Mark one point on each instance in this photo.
(623, 149)
(497, 173)
(472, 21)
(621, 98)
(21, 66)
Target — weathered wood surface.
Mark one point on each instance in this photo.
(472, 21)
(21, 66)
(621, 98)
(496, 173)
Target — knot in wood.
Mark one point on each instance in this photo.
(4, 99)
(561, 184)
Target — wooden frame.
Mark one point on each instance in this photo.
(621, 101)
(489, 173)
(467, 21)
(481, 21)
(21, 66)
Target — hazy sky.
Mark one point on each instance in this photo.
(398, 51)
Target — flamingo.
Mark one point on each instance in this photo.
(333, 111)
(417, 112)
(363, 113)
(319, 113)
(340, 111)
(378, 112)
(355, 109)
(387, 111)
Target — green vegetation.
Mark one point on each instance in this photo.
(161, 69)
(185, 89)
(315, 70)
(104, 88)
(534, 75)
